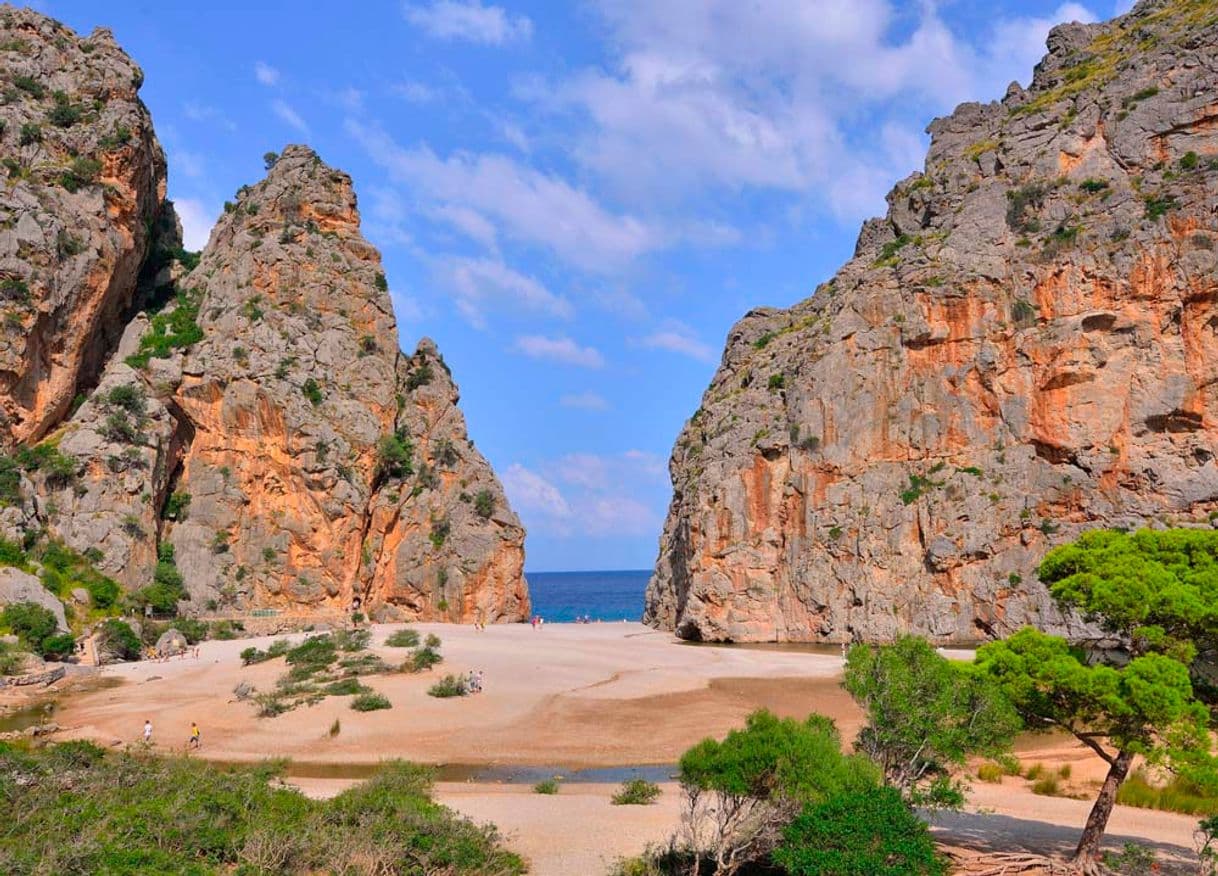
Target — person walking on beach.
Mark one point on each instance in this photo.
(147, 731)
(194, 736)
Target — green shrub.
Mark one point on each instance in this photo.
(315, 651)
(64, 114)
(351, 640)
(370, 701)
(194, 631)
(448, 686)
(394, 454)
(30, 133)
(1047, 786)
(346, 687)
(29, 622)
(312, 391)
(1023, 201)
(863, 833)
(277, 648)
(58, 646)
(1189, 161)
(546, 786)
(440, 528)
(120, 639)
(170, 329)
(135, 813)
(636, 792)
(80, 173)
(484, 504)
(405, 638)
(12, 659)
(1175, 795)
(176, 505)
(30, 86)
(1158, 206)
(422, 659)
(420, 376)
(990, 772)
(776, 381)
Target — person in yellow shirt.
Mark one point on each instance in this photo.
(195, 739)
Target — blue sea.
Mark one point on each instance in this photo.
(561, 597)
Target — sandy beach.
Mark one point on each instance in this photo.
(564, 697)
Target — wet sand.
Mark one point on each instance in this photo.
(565, 697)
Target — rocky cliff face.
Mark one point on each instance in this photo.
(1025, 347)
(85, 184)
(266, 426)
(255, 438)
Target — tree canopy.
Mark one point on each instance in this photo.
(925, 715)
(1156, 594)
(1159, 588)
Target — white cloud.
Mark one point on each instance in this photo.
(415, 92)
(676, 337)
(529, 492)
(515, 135)
(562, 350)
(617, 516)
(647, 462)
(201, 113)
(702, 99)
(189, 163)
(525, 204)
(197, 221)
(479, 283)
(600, 499)
(351, 99)
(285, 112)
(587, 401)
(584, 470)
(468, 221)
(266, 74)
(469, 21)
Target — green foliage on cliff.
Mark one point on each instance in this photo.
(129, 813)
(176, 327)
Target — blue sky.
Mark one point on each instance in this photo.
(577, 200)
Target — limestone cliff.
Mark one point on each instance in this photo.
(280, 443)
(254, 437)
(85, 184)
(1025, 347)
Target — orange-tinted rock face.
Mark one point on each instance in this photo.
(1024, 348)
(83, 188)
(324, 466)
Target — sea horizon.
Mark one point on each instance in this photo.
(599, 595)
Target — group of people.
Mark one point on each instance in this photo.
(192, 743)
(473, 682)
(151, 654)
(537, 621)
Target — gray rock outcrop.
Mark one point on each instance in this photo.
(19, 586)
(1022, 349)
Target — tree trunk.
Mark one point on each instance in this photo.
(1089, 845)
